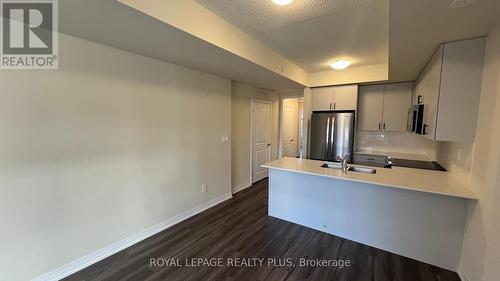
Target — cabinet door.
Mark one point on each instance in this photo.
(417, 91)
(431, 95)
(370, 107)
(397, 100)
(345, 97)
(322, 98)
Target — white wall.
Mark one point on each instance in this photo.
(241, 97)
(456, 157)
(481, 248)
(104, 147)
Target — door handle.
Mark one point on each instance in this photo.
(332, 139)
(327, 136)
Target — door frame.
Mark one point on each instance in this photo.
(280, 137)
(252, 106)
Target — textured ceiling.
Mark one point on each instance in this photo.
(417, 27)
(313, 32)
(255, 16)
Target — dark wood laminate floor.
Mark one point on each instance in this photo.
(241, 228)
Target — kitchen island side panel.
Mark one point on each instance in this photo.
(426, 227)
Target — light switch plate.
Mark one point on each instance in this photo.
(225, 138)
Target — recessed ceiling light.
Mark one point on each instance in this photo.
(461, 3)
(340, 64)
(282, 2)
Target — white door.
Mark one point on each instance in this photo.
(261, 139)
(289, 139)
(345, 97)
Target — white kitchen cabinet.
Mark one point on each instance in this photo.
(371, 101)
(449, 88)
(335, 98)
(384, 107)
(397, 100)
(345, 97)
(322, 98)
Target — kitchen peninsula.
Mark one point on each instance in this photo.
(416, 213)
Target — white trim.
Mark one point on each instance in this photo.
(85, 261)
(241, 187)
(462, 274)
(252, 102)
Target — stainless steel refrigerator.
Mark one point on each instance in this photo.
(332, 135)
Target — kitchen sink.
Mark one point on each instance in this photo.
(361, 170)
(332, 165)
(338, 166)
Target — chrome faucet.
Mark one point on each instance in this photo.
(343, 162)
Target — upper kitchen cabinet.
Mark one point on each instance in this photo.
(345, 97)
(335, 98)
(371, 102)
(322, 98)
(449, 87)
(384, 107)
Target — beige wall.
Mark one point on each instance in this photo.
(241, 97)
(107, 146)
(481, 249)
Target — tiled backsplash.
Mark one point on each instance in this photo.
(401, 142)
(456, 157)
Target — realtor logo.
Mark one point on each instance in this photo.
(29, 34)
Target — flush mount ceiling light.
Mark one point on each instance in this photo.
(461, 3)
(282, 2)
(340, 64)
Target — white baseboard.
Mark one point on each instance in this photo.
(85, 261)
(241, 187)
(462, 274)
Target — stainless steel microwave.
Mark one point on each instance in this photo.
(416, 119)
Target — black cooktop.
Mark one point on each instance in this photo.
(427, 165)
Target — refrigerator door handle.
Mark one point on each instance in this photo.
(332, 140)
(327, 136)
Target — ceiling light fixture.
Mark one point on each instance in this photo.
(282, 2)
(461, 3)
(340, 64)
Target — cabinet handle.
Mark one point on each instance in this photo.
(384, 126)
(331, 106)
(379, 126)
(334, 105)
(424, 130)
(419, 99)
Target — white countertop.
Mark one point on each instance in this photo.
(435, 182)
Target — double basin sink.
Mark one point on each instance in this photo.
(338, 166)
